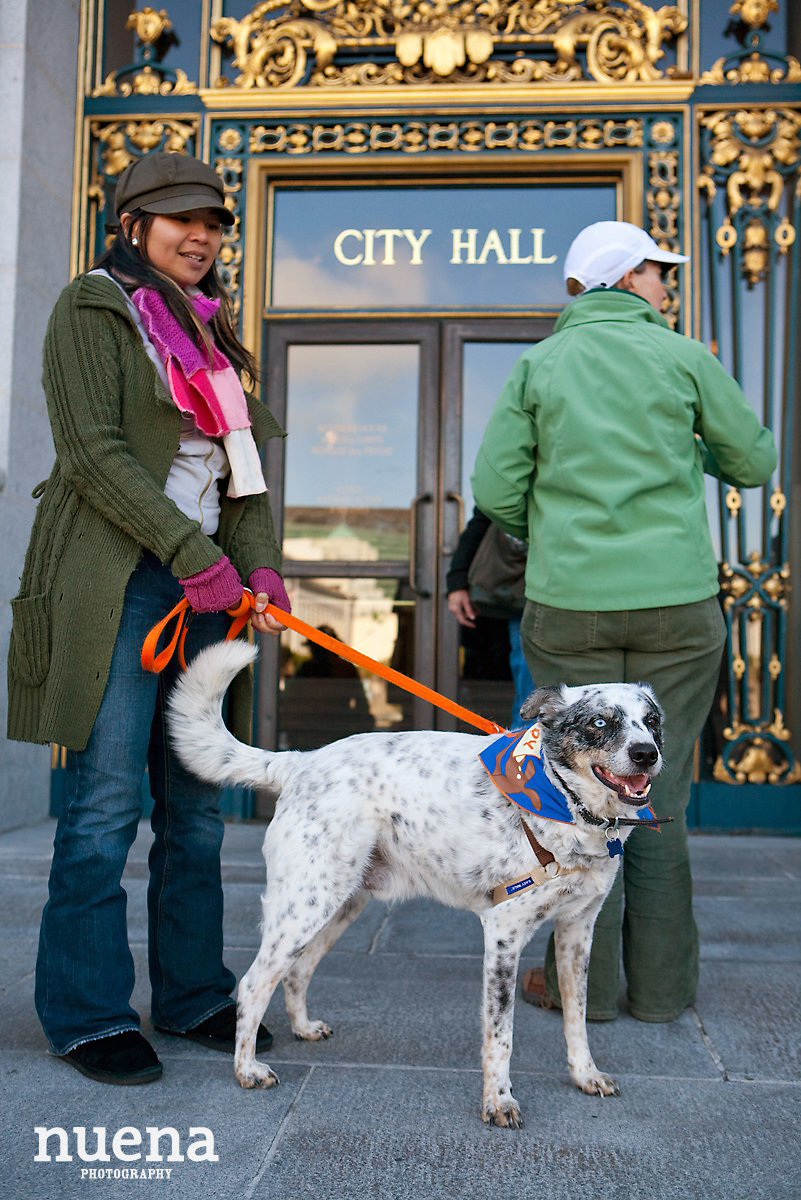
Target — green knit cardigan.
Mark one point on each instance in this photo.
(116, 433)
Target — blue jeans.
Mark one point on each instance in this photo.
(524, 685)
(84, 969)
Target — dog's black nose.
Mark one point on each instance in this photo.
(643, 754)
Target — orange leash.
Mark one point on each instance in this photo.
(151, 661)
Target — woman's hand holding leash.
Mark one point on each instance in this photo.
(262, 621)
(267, 587)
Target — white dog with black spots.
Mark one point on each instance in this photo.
(398, 815)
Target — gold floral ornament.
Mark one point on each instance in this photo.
(145, 77)
(759, 756)
(758, 65)
(121, 142)
(755, 155)
(291, 43)
(754, 12)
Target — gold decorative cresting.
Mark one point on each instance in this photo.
(748, 149)
(292, 43)
(531, 136)
(759, 66)
(145, 77)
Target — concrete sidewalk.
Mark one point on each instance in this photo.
(389, 1106)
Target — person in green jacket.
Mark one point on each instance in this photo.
(156, 493)
(595, 454)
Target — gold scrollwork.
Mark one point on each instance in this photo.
(754, 153)
(663, 204)
(121, 142)
(230, 169)
(755, 67)
(417, 137)
(758, 758)
(144, 79)
(291, 43)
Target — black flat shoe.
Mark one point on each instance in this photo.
(218, 1032)
(123, 1058)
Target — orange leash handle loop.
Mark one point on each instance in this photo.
(371, 664)
(151, 661)
(240, 614)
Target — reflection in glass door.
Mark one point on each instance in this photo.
(358, 522)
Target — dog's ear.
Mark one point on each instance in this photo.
(543, 703)
(649, 694)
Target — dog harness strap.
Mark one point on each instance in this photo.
(535, 878)
(545, 857)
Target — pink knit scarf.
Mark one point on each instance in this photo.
(210, 393)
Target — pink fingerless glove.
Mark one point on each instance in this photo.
(265, 579)
(215, 589)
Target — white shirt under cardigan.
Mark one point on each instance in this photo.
(200, 462)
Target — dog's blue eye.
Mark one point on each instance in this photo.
(599, 723)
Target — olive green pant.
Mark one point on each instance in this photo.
(676, 650)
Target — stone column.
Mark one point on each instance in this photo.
(38, 63)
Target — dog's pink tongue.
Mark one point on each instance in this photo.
(637, 783)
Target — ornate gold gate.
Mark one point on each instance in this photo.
(691, 114)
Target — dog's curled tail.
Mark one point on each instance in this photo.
(201, 740)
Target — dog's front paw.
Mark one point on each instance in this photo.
(312, 1031)
(596, 1083)
(504, 1113)
(256, 1075)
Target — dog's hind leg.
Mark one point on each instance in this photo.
(505, 934)
(297, 979)
(573, 938)
(289, 925)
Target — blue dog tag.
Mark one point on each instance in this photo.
(615, 847)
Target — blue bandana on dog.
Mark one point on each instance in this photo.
(514, 764)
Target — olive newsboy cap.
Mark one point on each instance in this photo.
(170, 183)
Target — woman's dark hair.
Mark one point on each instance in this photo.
(574, 288)
(130, 265)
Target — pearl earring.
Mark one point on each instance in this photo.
(134, 241)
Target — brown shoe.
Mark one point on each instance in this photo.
(533, 989)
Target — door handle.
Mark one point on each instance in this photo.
(423, 498)
(458, 499)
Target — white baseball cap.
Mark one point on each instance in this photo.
(602, 253)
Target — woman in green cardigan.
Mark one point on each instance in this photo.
(156, 492)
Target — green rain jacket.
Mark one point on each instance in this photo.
(116, 433)
(596, 453)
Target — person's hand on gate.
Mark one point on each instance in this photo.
(461, 606)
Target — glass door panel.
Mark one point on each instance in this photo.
(351, 451)
(321, 696)
(354, 496)
(474, 663)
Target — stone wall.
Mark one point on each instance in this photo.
(38, 63)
